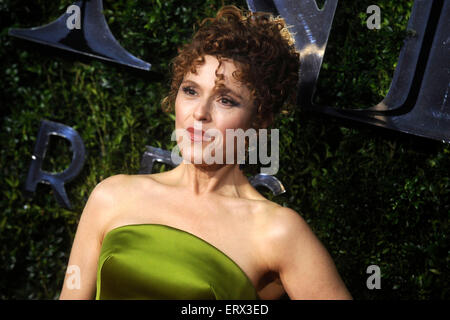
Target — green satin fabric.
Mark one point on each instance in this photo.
(155, 261)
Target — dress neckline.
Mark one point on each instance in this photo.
(115, 229)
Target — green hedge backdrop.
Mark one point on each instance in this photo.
(372, 196)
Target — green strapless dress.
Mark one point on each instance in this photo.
(156, 261)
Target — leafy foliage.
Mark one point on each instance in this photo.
(371, 196)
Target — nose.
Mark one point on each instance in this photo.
(202, 112)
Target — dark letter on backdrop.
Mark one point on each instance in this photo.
(56, 180)
(417, 102)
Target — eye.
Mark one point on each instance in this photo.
(189, 90)
(228, 102)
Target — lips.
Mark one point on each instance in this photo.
(197, 135)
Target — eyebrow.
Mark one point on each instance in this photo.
(222, 88)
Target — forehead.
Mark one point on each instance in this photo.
(211, 70)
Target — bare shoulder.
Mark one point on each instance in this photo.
(285, 230)
(290, 231)
(109, 192)
(110, 197)
(109, 185)
(103, 198)
(282, 223)
(114, 189)
(305, 267)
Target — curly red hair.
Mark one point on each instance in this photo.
(262, 49)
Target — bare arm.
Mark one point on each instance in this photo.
(81, 274)
(306, 269)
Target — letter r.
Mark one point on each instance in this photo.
(56, 180)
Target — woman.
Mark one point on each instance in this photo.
(200, 230)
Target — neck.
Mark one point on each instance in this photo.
(224, 179)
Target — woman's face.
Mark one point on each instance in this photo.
(200, 102)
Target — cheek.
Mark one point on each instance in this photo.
(180, 112)
(239, 120)
(236, 120)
